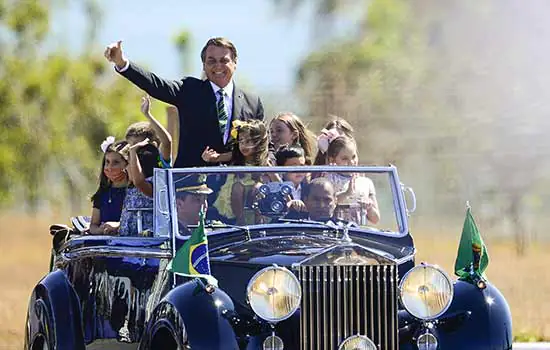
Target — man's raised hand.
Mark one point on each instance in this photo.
(113, 53)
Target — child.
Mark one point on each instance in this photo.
(251, 150)
(113, 180)
(142, 160)
(293, 156)
(355, 194)
(288, 129)
(335, 127)
(152, 130)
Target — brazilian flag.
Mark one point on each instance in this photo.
(472, 258)
(191, 260)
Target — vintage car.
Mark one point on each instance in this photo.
(281, 281)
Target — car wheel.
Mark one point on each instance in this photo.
(164, 339)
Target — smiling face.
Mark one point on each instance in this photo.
(219, 65)
(281, 134)
(247, 146)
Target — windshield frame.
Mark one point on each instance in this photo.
(398, 198)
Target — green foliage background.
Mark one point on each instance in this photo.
(55, 110)
(445, 90)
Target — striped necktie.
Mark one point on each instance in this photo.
(222, 112)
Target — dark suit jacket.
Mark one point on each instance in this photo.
(198, 115)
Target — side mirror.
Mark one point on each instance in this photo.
(411, 197)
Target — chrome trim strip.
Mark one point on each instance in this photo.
(90, 252)
(311, 292)
(371, 309)
(326, 313)
(385, 297)
(338, 305)
(345, 293)
(318, 287)
(331, 316)
(285, 169)
(303, 319)
(365, 302)
(358, 298)
(393, 306)
(379, 300)
(404, 259)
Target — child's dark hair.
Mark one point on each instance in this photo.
(337, 145)
(341, 125)
(142, 130)
(286, 152)
(148, 156)
(257, 132)
(120, 147)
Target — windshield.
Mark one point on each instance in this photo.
(361, 197)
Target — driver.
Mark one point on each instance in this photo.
(191, 194)
(319, 198)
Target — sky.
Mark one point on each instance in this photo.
(270, 43)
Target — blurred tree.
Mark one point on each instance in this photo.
(448, 91)
(368, 76)
(182, 40)
(55, 110)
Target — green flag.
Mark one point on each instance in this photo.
(472, 258)
(191, 260)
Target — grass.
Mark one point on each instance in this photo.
(525, 282)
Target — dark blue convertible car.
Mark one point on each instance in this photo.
(284, 276)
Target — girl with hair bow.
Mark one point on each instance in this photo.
(337, 126)
(326, 137)
(113, 181)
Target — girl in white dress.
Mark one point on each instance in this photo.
(356, 195)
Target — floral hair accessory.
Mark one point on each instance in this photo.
(107, 142)
(326, 137)
(236, 125)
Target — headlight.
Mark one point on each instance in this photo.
(357, 342)
(426, 292)
(274, 293)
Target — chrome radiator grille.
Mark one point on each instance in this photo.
(339, 301)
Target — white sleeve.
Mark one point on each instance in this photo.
(123, 68)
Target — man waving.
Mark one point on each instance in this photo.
(206, 107)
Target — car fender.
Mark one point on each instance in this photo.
(194, 314)
(476, 319)
(53, 314)
(487, 323)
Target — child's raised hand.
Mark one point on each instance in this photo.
(139, 144)
(209, 155)
(146, 105)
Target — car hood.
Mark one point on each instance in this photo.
(302, 249)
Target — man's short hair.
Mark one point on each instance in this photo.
(220, 42)
(317, 182)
